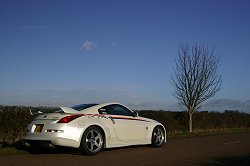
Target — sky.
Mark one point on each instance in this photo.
(62, 52)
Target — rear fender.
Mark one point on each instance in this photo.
(106, 126)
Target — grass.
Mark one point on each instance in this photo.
(14, 149)
(10, 150)
(202, 133)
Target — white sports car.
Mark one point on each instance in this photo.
(91, 127)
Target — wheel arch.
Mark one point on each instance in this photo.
(161, 126)
(101, 129)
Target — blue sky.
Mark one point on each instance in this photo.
(70, 52)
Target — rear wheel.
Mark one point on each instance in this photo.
(92, 141)
(158, 137)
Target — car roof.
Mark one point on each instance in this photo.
(94, 109)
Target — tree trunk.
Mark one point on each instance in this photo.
(190, 122)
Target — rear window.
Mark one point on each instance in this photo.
(83, 106)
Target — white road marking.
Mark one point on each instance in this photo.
(235, 142)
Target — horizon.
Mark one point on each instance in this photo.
(62, 53)
(217, 105)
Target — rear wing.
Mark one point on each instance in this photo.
(35, 112)
(63, 109)
(69, 110)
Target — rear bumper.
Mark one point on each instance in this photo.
(68, 137)
(51, 142)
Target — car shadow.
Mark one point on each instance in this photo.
(39, 150)
(56, 150)
(75, 151)
(62, 150)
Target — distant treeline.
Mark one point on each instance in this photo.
(14, 119)
(177, 122)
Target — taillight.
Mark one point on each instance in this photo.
(68, 119)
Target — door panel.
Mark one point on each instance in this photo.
(129, 128)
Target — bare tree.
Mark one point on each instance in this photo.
(196, 77)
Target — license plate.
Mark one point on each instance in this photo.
(38, 128)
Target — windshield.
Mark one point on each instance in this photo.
(82, 106)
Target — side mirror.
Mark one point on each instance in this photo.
(135, 114)
(102, 111)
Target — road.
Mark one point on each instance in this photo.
(230, 149)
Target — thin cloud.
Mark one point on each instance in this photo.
(88, 45)
(36, 27)
(113, 44)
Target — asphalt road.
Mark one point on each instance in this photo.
(232, 149)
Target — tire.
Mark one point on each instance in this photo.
(158, 137)
(92, 141)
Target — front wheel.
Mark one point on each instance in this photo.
(158, 137)
(92, 141)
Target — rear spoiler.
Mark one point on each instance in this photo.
(64, 109)
(35, 112)
(69, 110)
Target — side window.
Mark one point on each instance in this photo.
(115, 110)
(106, 110)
